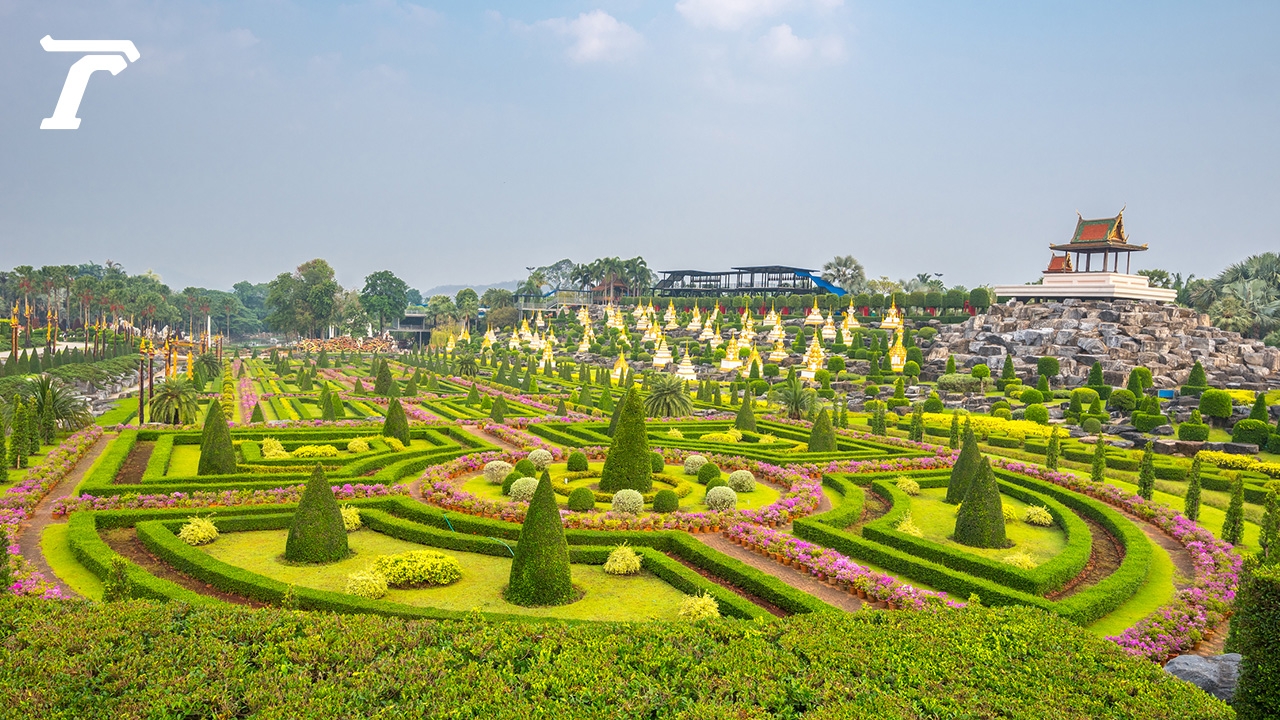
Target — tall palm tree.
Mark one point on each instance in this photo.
(208, 365)
(70, 409)
(175, 402)
(846, 272)
(793, 397)
(667, 397)
(465, 365)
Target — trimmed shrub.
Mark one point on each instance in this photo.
(272, 449)
(627, 501)
(742, 481)
(418, 568)
(396, 425)
(198, 531)
(540, 569)
(540, 459)
(1003, 413)
(1031, 396)
(708, 472)
(699, 607)
(628, 465)
(980, 522)
(1195, 431)
(350, 518)
(716, 482)
(510, 480)
(822, 438)
(622, 561)
(665, 501)
(1020, 560)
(746, 418)
(694, 463)
(317, 533)
(1215, 404)
(965, 467)
(217, 454)
(582, 499)
(358, 445)
(522, 490)
(1146, 422)
(1197, 382)
(1037, 515)
(316, 451)
(526, 468)
(656, 462)
(577, 462)
(369, 584)
(720, 499)
(1093, 426)
(495, 471)
(1256, 432)
(1256, 636)
(959, 383)
(1037, 413)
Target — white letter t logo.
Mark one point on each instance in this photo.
(64, 115)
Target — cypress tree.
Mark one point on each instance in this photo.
(473, 395)
(382, 381)
(1007, 372)
(217, 455)
(822, 436)
(1098, 468)
(498, 412)
(1233, 524)
(584, 396)
(396, 425)
(326, 406)
(951, 364)
(33, 427)
(527, 383)
(18, 441)
(627, 464)
(746, 419)
(337, 409)
(715, 396)
(917, 422)
(980, 522)
(411, 388)
(1147, 473)
(358, 388)
(257, 415)
(1259, 410)
(33, 366)
(317, 534)
(1191, 504)
(613, 419)
(1095, 375)
(48, 425)
(1052, 451)
(965, 467)
(540, 570)
(1269, 536)
(953, 440)
(561, 409)
(501, 377)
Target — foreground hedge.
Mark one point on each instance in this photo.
(141, 659)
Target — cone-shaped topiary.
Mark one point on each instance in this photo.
(473, 395)
(499, 410)
(1191, 503)
(1233, 524)
(561, 409)
(382, 381)
(217, 456)
(822, 438)
(627, 465)
(1259, 410)
(966, 466)
(257, 416)
(1147, 472)
(338, 410)
(613, 419)
(540, 570)
(317, 534)
(396, 425)
(746, 419)
(980, 522)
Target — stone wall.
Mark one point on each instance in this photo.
(1120, 334)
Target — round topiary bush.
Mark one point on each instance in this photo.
(1031, 396)
(495, 471)
(1002, 413)
(656, 462)
(577, 462)
(526, 468)
(715, 483)
(522, 489)
(1037, 413)
(623, 560)
(1093, 426)
(708, 472)
(665, 501)
(720, 499)
(1121, 400)
(1251, 431)
(742, 481)
(582, 499)
(508, 480)
(1215, 403)
(693, 464)
(628, 501)
(540, 459)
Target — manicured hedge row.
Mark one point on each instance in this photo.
(852, 500)
(96, 556)
(1044, 578)
(108, 464)
(158, 463)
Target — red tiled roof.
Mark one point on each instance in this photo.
(1096, 230)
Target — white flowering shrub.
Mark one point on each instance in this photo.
(742, 481)
(721, 498)
(628, 501)
(522, 490)
(540, 459)
(495, 471)
(693, 464)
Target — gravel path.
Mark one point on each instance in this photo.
(42, 517)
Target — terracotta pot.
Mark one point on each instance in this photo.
(862, 594)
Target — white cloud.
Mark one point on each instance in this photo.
(782, 45)
(736, 14)
(597, 37)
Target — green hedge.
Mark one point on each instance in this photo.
(107, 466)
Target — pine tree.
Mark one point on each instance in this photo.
(627, 464)
(822, 436)
(1007, 372)
(1095, 376)
(317, 534)
(217, 454)
(965, 467)
(1191, 504)
(1098, 468)
(1233, 524)
(1052, 451)
(1147, 473)
(953, 440)
(980, 521)
(540, 570)
(396, 424)
(746, 418)
(473, 395)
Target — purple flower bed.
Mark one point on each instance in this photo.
(225, 498)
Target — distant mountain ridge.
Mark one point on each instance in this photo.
(452, 290)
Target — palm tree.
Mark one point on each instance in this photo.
(667, 397)
(70, 409)
(207, 364)
(793, 397)
(465, 365)
(846, 272)
(175, 402)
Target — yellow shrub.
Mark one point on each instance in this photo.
(273, 450)
(699, 607)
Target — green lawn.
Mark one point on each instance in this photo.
(764, 494)
(184, 461)
(57, 552)
(607, 597)
(12, 475)
(937, 520)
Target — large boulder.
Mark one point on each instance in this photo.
(1215, 675)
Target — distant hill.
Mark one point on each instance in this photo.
(452, 290)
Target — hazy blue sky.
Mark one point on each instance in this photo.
(461, 142)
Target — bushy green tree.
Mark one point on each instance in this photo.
(1256, 636)
(217, 454)
(980, 521)
(965, 468)
(822, 437)
(1191, 503)
(1259, 409)
(953, 440)
(1053, 450)
(317, 534)
(396, 424)
(540, 570)
(1269, 533)
(1147, 473)
(1233, 524)
(627, 464)
(1098, 466)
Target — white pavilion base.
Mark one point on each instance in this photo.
(1059, 286)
